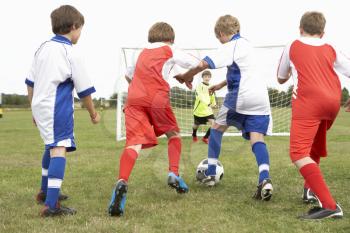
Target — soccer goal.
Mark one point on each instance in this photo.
(182, 99)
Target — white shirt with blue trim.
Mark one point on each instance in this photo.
(247, 89)
(56, 70)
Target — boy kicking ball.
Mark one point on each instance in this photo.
(246, 105)
(148, 113)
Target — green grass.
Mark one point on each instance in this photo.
(151, 205)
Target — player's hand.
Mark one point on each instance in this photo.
(347, 105)
(95, 118)
(179, 78)
(214, 88)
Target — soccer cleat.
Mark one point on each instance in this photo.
(41, 197)
(58, 211)
(176, 182)
(205, 140)
(194, 138)
(309, 197)
(205, 179)
(321, 213)
(118, 200)
(264, 190)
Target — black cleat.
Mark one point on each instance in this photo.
(309, 197)
(264, 190)
(118, 200)
(59, 211)
(41, 197)
(322, 213)
(204, 179)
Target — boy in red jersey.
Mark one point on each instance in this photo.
(315, 105)
(148, 112)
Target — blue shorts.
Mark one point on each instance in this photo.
(245, 123)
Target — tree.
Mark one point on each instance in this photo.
(344, 95)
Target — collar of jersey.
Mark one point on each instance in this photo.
(156, 45)
(235, 36)
(312, 41)
(61, 39)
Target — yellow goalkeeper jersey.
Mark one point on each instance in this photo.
(204, 101)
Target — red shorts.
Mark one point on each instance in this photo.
(145, 124)
(308, 137)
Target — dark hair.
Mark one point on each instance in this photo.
(313, 22)
(64, 18)
(206, 73)
(161, 32)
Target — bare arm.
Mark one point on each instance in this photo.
(187, 77)
(87, 101)
(217, 87)
(128, 79)
(30, 94)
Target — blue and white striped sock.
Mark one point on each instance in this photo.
(55, 178)
(213, 151)
(262, 159)
(44, 170)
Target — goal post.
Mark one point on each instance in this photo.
(182, 99)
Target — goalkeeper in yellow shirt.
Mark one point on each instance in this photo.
(202, 111)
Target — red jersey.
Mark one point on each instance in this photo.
(317, 89)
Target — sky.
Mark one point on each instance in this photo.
(111, 25)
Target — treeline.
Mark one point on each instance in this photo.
(179, 97)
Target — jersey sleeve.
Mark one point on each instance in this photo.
(221, 57)
(80, 77)
(183, 59)
(30, 76)
(342, 64)
(284, 64)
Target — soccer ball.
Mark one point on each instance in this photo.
(203, 166)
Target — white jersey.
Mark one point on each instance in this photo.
(55, 72)
(247, 90)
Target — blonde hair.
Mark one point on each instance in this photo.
(313, 22)
(161, 32)
(227, 25)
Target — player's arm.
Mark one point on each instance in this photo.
(129, 73)
(89, 104)
(217, 87)
(30, 94)
(83, 86)
(284, 68)
(342, 64)
(212, 100)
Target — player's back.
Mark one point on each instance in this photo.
(318, 91)
(148, 87)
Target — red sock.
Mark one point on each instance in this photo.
(317, 160)
(127, 161)
(174, 151)
(312, 174)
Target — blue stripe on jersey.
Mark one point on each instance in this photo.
(61, 39)
(29, 83)
(235, 36)
(63, 113)
(210, 62)
(233, 78)
(87, 92)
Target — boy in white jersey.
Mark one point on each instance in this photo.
(55, 72)
(246, 104)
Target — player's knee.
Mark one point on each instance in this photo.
(303, 161)
(136, 148)
(172, 134)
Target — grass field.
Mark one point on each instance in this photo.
(151, 205)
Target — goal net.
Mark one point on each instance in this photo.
(182, 99)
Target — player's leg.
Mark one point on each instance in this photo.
(214, 146)
(205, 139)
(55, 178)
(254, 129)
(303, 134)
(41, 196)
(194, 130)
(308, 195)
(126, 164)
(139, 134)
